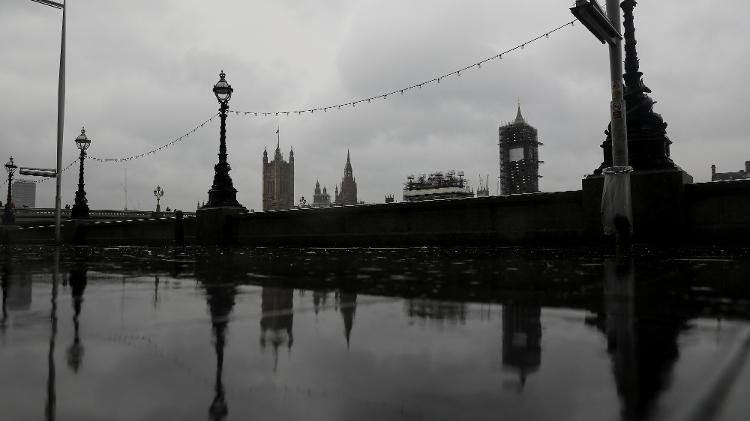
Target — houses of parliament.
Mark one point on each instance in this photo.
(346, 195)
(278, 180)
(278, 183)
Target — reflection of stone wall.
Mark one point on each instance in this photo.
(522, 338)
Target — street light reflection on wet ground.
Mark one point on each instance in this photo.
(419, 333)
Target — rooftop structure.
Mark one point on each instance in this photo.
(450, 185)
(726, 176)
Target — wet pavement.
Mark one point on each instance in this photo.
(374, 334)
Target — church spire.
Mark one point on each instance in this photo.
(348, 167)
(519, 117)
(277, 154)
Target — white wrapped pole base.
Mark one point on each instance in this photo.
(617, 210)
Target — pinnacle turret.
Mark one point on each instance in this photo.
(519, 117)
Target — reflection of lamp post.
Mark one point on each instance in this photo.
(5, 284)
(615, 206)
(8, 217)
(60, 112)
(78, 286)
(158, 194)
(49, 407)
(81, 207)
(215, 273)
(222, 192)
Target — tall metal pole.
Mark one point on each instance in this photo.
(616, 198)
(60, 127)
(619, 126)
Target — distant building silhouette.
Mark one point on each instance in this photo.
(278, 180)
(24, 194)
(321, 198)
(437, 185)
(348, 193)
(519, 157)
(484, 187)
(722, 176)
(389, 198)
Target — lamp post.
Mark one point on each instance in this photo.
(616, 199)
(60, 114)
(8, 217)
(222, 191)
(158, 193)
(80, 207)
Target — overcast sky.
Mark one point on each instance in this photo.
(140, 73)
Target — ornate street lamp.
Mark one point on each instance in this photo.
(222, 191)
(158, 193)
(81, 207)
(8, 217)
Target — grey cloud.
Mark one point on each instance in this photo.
(140, 74)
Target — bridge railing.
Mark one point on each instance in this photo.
(39, 214)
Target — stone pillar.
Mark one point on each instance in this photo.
(214, 225)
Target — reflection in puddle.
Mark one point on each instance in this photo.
(522, 339)
(526, 335)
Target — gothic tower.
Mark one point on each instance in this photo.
(321, 198)
(348, 193)
(519, 157)
(278, 180)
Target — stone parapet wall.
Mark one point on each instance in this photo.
(719, 212)
(528, 218)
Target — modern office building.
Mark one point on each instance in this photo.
(24, 194)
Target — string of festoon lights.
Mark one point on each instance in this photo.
(353, 103)
(157, 149)
(401, 91)
(129, 158)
